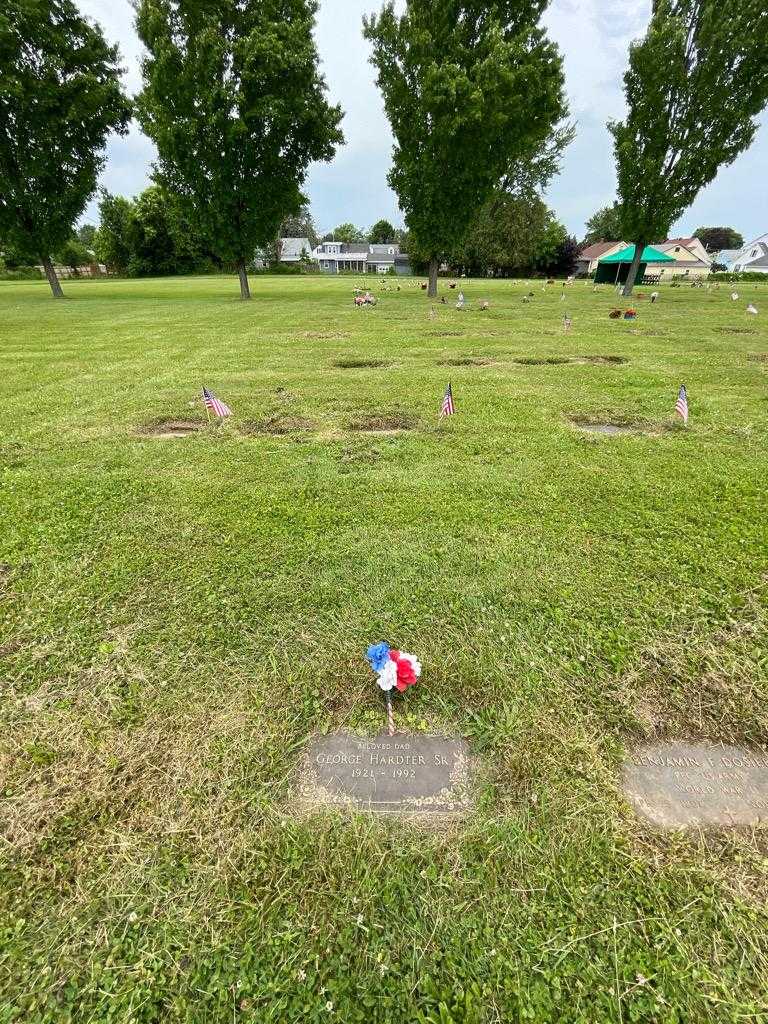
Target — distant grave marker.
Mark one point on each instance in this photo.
(674, 785)
(400, 774)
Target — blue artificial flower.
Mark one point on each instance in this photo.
(378, 656)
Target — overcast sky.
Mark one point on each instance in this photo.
(592, 34)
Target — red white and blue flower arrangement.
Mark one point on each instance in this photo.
(396, 670)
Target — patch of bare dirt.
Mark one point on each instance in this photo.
(466, 361)
(360, 364)
(383, 423)
(758, 357)
(602, 360)
(542, 360)
(736, 330)
(169, 429)
(613, 425)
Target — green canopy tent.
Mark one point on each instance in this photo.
(615, 269)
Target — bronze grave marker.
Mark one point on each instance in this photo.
(406, 775)
(674, 785)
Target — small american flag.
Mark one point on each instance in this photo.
(217, 408)
(446, 408)
(681, 406)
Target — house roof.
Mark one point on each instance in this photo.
(724, 255)
(293, 247)
(358, 247)
(746, 258)
(596, 250)
(650, 255)
(679, 241)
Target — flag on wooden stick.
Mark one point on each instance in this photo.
(681, 406)
(447, 409)
(217, 407)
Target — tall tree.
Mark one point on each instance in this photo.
(236, 106)
(469, 86)
(382, 233)
(86, 234)
(300, 225)
(512, 234)
(604, 226)
(347, 232)
(113, 236)
(60, 97)
(715, 239)
(160, 238)
(694, 87)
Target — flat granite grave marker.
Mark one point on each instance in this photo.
(406, 775)
(678, 784)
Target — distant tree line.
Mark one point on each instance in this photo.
(233, 99)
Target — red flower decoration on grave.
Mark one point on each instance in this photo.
(405, 675)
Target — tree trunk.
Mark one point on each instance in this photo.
(629, 284)
(53, 281)
(242, 273)
(432, 289)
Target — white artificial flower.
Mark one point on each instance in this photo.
(388, 676)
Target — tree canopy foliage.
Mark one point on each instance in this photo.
(300, 225)
(382, 233)
(469, 89)
(236, 106)
(150, 236)
(715, 239)
(346, 232)
(60, 98)
(694, 87)
(513, 234)
(605, 225)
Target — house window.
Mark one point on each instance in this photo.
(677, 248)
(754, 252)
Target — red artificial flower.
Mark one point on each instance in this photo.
(405, 675)
(394, 655)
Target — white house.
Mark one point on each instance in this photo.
(360, 257)
(753, 258)
(291, 249)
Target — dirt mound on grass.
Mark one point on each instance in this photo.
(383, 423)
(466, 361)
(169, 429)
(602, 360)
(617, 424)
(543, 361)
(360, 364)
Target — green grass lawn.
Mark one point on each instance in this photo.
(179, 617)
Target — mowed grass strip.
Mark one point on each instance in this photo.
(178, 616)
